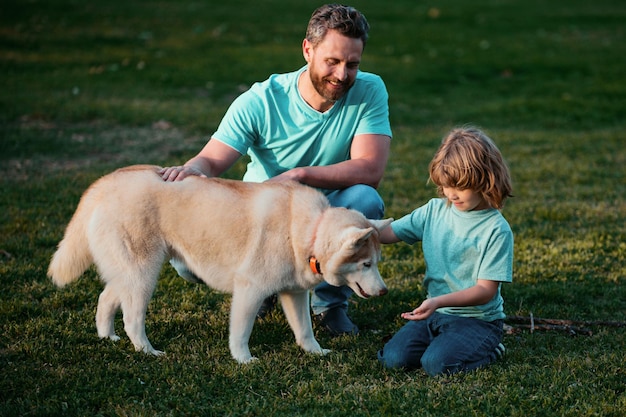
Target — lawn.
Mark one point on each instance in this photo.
(87, 87)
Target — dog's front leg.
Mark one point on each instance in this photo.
(296, 308)
(244, 306)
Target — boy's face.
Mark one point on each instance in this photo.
(465, 200)
(333, 64)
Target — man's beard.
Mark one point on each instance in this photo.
(321, 86)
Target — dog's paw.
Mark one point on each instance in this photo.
(155, 352)
(112, 337)
(245, 361)
(151, 351)
(321, 352)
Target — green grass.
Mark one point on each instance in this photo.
(84, 86)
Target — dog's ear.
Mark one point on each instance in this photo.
(380, 224)
(355, 238)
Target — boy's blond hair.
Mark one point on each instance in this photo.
(469, 159)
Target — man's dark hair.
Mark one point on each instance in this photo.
(345, 19)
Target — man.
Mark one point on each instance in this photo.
(325, 125)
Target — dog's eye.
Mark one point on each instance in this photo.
(367, 264)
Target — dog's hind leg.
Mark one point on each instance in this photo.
(108, 305)
(296, 308)
(134, 301)
(129, 254)
(244, 306)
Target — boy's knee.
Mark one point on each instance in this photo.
(394, 359)
(436, 365)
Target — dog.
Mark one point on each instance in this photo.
(249, 239)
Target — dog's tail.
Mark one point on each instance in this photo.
(73, 256)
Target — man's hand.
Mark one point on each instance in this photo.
(295, 174)
(179, 173)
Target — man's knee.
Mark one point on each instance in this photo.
(359, 197)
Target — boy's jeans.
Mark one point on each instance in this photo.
(443, 344)
(362, 198)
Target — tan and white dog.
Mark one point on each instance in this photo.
(249, 239)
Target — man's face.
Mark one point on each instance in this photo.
(333, 64)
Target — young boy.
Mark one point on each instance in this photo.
(468, 250)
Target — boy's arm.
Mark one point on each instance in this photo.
(387, 235)
(479, 294)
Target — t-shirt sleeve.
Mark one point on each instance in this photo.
(238, 128)
(375, 119)
(497, 264)
(410, 228)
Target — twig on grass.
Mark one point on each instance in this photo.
(516, 324)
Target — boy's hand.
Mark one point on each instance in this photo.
(422, 312)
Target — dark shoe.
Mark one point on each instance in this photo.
(498, 353)
(336, 322)
(268, 305)
(500, 350)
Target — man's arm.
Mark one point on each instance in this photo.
(212, 161)
(368, 159)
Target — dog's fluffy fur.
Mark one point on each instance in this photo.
(248, 239)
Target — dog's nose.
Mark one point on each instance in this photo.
(383, 291)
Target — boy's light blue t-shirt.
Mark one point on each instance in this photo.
(273, 124)
(460, 248)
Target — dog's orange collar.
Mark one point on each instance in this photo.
(315, 265)
(313, 262)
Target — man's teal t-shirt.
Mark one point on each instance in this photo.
(459, 248)
(273, 124)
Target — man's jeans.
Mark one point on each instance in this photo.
(443, 344)
(362, 198)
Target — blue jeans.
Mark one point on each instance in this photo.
(362, 198)
(443, 344)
